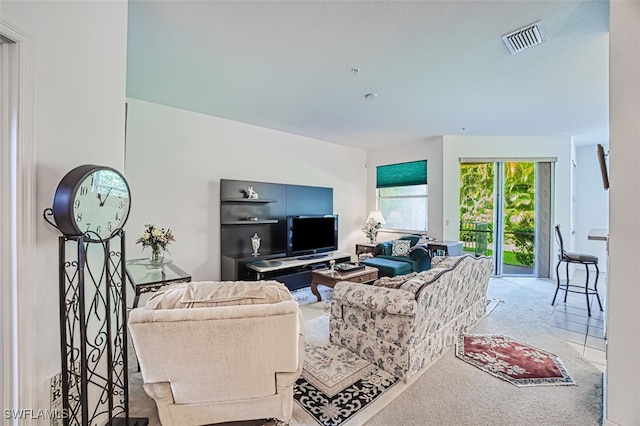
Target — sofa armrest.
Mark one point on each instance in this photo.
(381, 299)
(422, 257)
(383, 249)
(435, 260)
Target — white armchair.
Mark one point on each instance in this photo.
(212, 352)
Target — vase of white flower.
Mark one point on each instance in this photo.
(157, 239)
(370, 229)
(156, 258)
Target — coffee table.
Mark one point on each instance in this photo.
(329, 278)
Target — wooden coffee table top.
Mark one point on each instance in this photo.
(329, 278)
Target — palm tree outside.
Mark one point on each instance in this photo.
(477, 207)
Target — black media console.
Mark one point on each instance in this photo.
(242, 217)
(294, 272)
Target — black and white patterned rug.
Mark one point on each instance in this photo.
(336, 386)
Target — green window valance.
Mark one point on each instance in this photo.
(403, 174)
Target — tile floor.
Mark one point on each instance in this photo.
(585, 334)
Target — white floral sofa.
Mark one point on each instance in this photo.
(403, 324)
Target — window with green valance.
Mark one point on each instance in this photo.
(402, 196)
(402, 174)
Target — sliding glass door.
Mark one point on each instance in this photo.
(497, 213)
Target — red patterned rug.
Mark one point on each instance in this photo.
(510, 360)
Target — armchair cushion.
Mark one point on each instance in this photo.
(209, 294)
(391, 266)
(383, 249)
(400, 247)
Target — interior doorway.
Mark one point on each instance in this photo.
(499, 206)
(17, 220)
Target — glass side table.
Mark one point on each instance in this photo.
(146, 280)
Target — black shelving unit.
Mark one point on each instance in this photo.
(269, 220)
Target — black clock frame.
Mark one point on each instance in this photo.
(63, 200)
(93, 312)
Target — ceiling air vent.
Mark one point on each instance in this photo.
(525, 37)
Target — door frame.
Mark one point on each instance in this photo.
(544, 214)
(18, 222)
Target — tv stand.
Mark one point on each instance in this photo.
(294, 272)
(313, 256)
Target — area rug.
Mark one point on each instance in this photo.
(338, 387)
(304, 296)
(515, 362)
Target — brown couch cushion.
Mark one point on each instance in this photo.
(218, 293)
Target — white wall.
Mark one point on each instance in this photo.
(176, 158)
(79, 92)
(592, 203)
(430, 150)
(623, 325)
(443, 158)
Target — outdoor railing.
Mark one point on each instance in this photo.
(477, 236)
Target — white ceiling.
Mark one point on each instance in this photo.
(438, 67)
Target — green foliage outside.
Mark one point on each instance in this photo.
(477, 206)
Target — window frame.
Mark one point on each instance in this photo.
(422, 180)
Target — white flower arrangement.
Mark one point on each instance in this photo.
(371, 228)
(156, 238)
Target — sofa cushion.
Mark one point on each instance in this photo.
(218, 293)
(390, 267)
(422, 279)
(446, 261)
(400, 247)
(394, 282)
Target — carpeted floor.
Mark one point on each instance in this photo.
(452, 392)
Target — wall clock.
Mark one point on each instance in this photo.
(91, 200)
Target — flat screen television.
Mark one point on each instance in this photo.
(602, 159)
(308, 236)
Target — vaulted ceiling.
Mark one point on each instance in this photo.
(432, 67)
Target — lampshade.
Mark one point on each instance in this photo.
(376, 215)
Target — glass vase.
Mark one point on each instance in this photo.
(156, 258)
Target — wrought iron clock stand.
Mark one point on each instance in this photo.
(93, 335)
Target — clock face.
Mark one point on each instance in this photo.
(100, 203)
(93, 201)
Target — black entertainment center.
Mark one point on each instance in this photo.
(297, 228)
